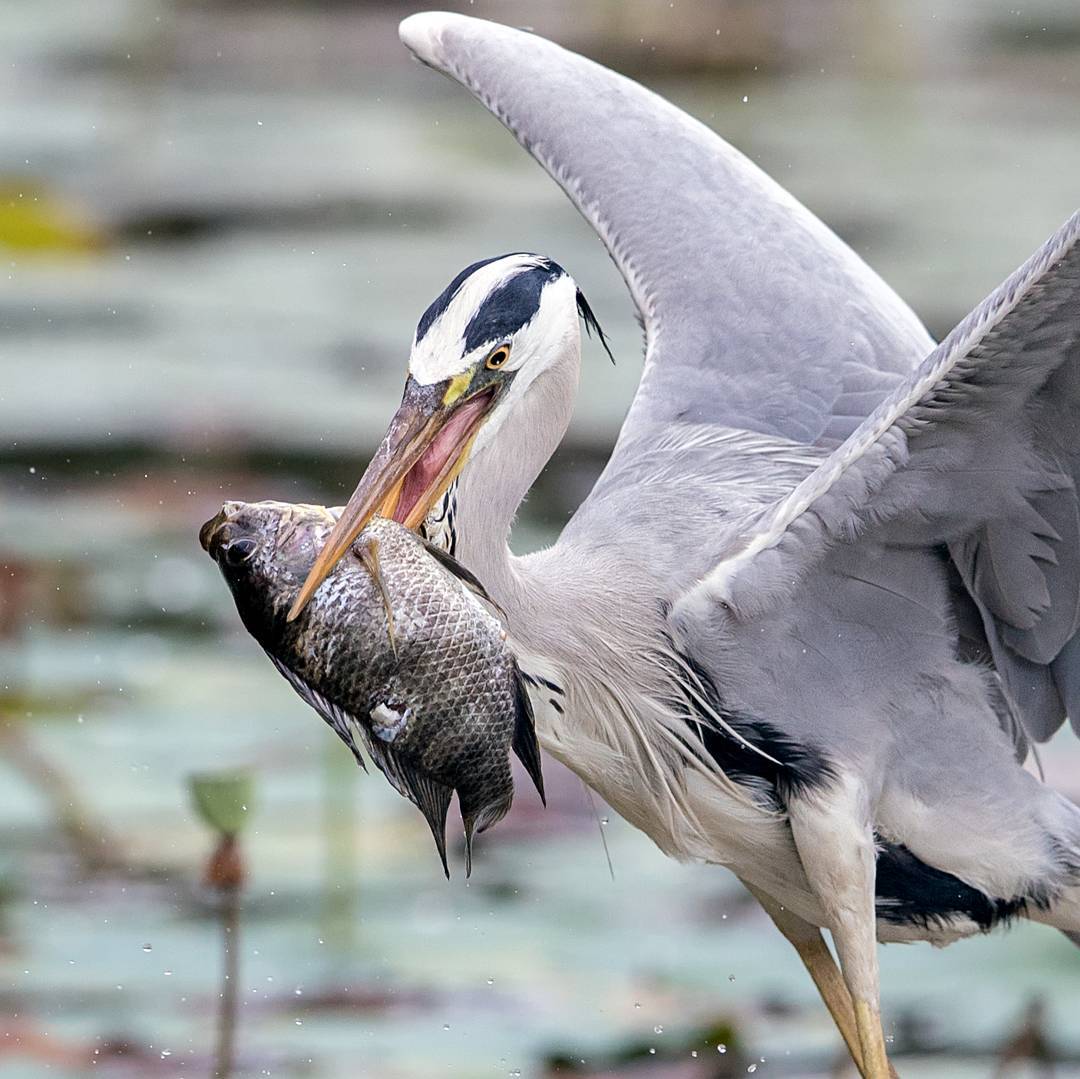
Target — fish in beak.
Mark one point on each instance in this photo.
(424, 449)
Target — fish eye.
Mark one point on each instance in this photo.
(239, 551)
(498, 358)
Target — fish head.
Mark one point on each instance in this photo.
(264, 550)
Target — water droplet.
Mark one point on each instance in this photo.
(605, 820)
(491, 981)
(637, 1003)
(79, 719)
(731, 977)
(658, 1029)
(890, 1038)
(721, 1048)
(298, 991)
(693, 1053)
(299, 1022)
(752, 1068)
(147, 948)
(446, 1026)
(652, 1052)
(166, 1053)
(167, 973)
(745, 99)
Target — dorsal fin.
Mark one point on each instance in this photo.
(525, 744)
(467, 577)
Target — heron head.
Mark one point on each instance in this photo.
(484, 340)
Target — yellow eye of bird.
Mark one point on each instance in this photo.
(498, 357)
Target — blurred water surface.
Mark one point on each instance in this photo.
(219, 225)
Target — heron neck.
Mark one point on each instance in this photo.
(496, 481)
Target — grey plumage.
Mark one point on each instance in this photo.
(828, 584)
(977, 449)
(768, 341)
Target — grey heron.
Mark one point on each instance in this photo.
(827, 589)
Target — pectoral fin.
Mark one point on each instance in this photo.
(369, 555)
(341, 722)
(467, 577)
(430, 797)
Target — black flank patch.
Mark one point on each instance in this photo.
(796, 768)
(797, 771)
(910, 892)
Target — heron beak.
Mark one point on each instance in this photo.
(424, 449)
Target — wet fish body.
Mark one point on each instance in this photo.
(396, 651)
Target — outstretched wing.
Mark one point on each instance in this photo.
(757, 316)
(978, 449)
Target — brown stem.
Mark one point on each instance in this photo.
(230, 979)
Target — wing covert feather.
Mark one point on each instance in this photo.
(978, 450)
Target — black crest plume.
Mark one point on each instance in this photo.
(592, 323)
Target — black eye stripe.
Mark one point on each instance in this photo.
(510, 306)
(442, 301)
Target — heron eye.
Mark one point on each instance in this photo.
(498, 358)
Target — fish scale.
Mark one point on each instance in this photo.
(395, 651)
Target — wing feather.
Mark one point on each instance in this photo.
(978, 450)
(756, 315)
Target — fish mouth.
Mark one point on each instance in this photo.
(209, 531)
(425, 447)
(225, 542)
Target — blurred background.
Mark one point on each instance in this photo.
(219, 222)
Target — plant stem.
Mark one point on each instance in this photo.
(95, 847)
(230, 939)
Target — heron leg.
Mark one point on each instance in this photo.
(835, 840)
(810, 945)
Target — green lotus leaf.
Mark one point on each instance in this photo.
(224, 800)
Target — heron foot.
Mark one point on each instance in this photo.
(810, 945)
(834, 837)
(872, 1041)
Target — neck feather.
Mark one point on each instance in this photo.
(495, 481)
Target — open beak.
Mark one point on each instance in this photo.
(424, 449)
